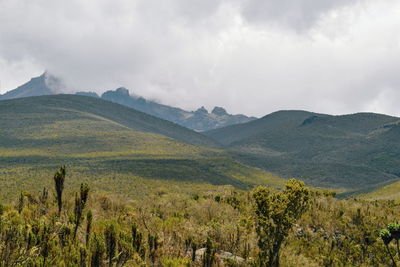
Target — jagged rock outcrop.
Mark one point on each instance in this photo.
(199, 120)
(219, 111)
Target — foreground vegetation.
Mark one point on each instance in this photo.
(209, 226)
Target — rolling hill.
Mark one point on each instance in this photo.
(78, 106)
(114, 147)
(353, 152)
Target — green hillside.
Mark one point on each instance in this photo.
(48, 109)
(350, 151)
(387, 192)
(113, 147)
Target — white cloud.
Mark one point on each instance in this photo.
(251, 56)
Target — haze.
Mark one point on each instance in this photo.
(250, 56)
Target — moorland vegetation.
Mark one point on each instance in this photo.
(220, 226)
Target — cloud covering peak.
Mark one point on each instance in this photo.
(251, 56)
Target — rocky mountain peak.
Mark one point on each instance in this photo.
(122, 91)
(219, 111)
(202, 110)
(45, 84)
(199, 120)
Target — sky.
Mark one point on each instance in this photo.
(249, 56)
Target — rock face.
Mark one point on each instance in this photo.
(201, 110)
(219, 111)
(199, 120)
(45, 84)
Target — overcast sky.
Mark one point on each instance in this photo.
(250, 56)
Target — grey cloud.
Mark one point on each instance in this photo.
(299, 15)
(212, 53)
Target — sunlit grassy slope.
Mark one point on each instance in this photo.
(116, 149)
(388, 192)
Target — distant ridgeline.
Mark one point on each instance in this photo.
(199, 120)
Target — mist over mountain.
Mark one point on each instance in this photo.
(199, 120)
(45, 84)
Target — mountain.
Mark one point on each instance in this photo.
(45, 84)
(117, 149)
(199, 120)
(353, 152)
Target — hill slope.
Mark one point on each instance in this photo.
(111, 145)
(69, 107)
(350, 151)
(385, 192)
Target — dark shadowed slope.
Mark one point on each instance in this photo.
(349, 151)
(281, 120)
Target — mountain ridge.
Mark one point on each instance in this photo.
(199, 120)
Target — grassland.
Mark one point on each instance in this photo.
(387, 192)
(120, 155)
